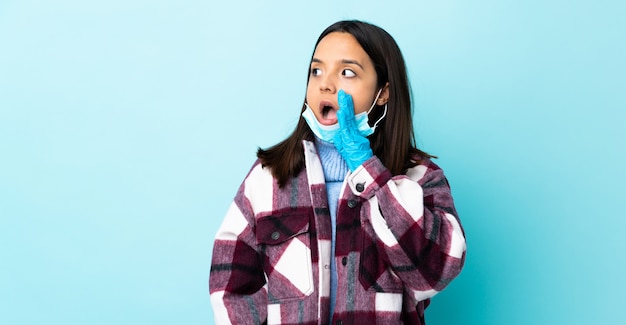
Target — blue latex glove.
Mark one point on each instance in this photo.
(353, 147)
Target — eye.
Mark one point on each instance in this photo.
(348, 73)
(315, 72)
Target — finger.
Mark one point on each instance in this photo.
(345, 103)
(345, 115)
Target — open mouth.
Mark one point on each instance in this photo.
(328, 112)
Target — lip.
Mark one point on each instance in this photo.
(327, 112)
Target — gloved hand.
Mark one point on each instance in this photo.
(353, 147)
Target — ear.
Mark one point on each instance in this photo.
(384, 96)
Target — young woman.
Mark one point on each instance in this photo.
(345, 221)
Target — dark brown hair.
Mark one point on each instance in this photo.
(393, 142)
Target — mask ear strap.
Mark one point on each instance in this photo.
(374, 103)
(381, 118)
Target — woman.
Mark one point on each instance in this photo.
(345, 221)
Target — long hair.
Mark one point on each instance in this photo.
(393, 142)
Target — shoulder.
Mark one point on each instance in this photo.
(426, 171)
(260, 180)
(259, 173)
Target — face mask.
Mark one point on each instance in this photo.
(324, 132)
(362, 119)
(327, 132)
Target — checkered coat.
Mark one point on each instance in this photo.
(399, 242)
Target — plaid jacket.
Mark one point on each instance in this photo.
(399, 242)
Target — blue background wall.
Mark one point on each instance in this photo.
(127, 125)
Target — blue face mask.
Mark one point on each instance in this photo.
(327, 132)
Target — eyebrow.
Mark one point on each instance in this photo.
(344, 61)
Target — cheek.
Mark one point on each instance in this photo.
(309, 93)
(360, 106)
(362, 102)
(309, 87)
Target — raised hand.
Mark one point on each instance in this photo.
(353, 147)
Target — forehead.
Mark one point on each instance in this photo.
(338, 46)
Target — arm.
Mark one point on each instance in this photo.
(415, 222)
(416, 229)
(237, 280)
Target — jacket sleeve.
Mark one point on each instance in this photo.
(237, 280)
(417, 228)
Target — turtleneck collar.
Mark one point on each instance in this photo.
(335, 168)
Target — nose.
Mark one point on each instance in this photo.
(327, 84)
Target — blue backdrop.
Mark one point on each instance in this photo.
(127, 125)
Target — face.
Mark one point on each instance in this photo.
(339, 62)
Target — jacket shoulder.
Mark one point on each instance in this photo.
(425, 169)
